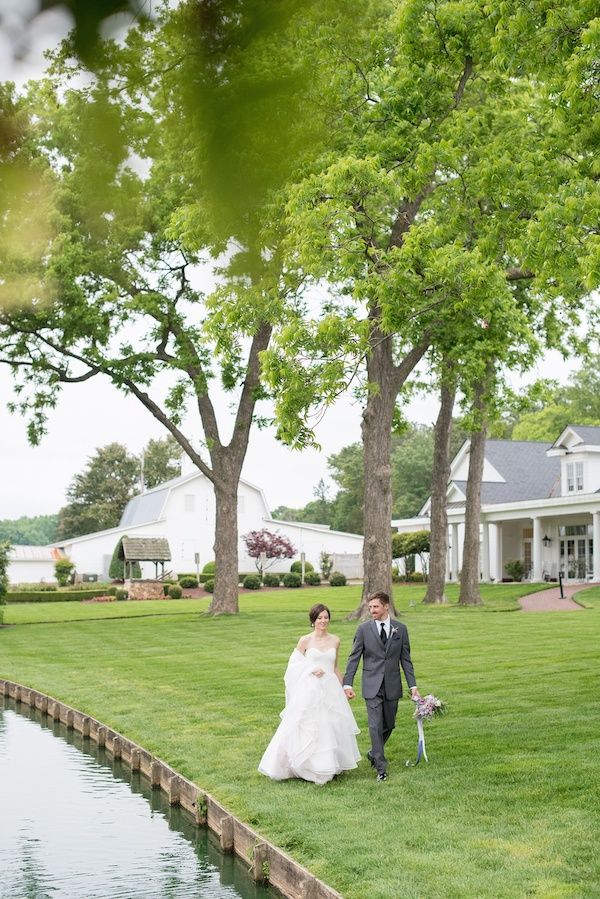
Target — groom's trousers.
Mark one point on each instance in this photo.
(381, 715)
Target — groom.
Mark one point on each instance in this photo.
(384, 647)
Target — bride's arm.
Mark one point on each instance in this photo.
(303, 644)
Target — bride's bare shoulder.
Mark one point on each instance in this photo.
(303, 642)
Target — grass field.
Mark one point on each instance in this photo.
(506, 806)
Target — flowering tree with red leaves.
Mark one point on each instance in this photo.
(265, 548)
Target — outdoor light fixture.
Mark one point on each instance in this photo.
(546, 540)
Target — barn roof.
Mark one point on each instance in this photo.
(144, 549)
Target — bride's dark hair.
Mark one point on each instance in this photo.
(316, 611)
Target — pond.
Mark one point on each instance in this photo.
(76, 823)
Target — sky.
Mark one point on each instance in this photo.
(90, 415)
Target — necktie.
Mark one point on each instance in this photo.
(383, 635)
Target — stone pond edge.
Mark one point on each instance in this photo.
(267, 862)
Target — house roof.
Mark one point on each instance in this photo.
(527, 471)
(589, 434)
(144, 549)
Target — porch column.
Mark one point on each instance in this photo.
(485, 551)
(454, 551)
(536, 550)
(596, 557)
(499, 560)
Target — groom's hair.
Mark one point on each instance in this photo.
(381, 596)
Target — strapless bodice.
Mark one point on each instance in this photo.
(323, 657)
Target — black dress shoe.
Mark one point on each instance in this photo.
(382, 776)
(371, 759)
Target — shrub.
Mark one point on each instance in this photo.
(312, 578)
(272, 580)
(188, 580)
(209, 568)
(337, 579)
(252, 582)
(120, 595)
(296, 567)
(326, 563)
(56, 595)
(515, 569)
(209, 585)
(292, 579)
(175, 591)
(416, 577)
(62, 570)
(166, 588)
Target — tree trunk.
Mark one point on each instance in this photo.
(387, 379)
(439, 488)
(377, 497)
(225, 596)
(469, 578)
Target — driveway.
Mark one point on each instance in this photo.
(550, 600)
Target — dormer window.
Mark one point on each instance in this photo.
(574, 477)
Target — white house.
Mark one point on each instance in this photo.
(32, 564)
(183, 511)
(540, 504)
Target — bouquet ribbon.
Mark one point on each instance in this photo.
(421, 751)
(426, 707)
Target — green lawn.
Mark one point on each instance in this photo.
(506, 806)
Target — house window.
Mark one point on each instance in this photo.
(570, 478)
(579, 475)
(576, 530)
(188, 502)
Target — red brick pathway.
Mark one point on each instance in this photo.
(550, 601)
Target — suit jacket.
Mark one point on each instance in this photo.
(381, 663)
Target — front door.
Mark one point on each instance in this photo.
(576, 557)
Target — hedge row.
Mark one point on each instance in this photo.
(57, 595)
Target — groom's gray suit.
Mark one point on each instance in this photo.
(381, 683)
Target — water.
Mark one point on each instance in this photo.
(76, 824)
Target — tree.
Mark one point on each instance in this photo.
(161, 460)
(266, 548)
(35, 531)
(318, 511)
(425, 223)
(469, 576)
(4, 551)
(98, 495)
(439, 488)
(122, 273)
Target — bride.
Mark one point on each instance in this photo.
(316, 738)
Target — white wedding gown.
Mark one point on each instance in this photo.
(317, 736)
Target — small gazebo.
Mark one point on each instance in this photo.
(144, 549)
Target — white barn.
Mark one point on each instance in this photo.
(183, 511)
(540, 505)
